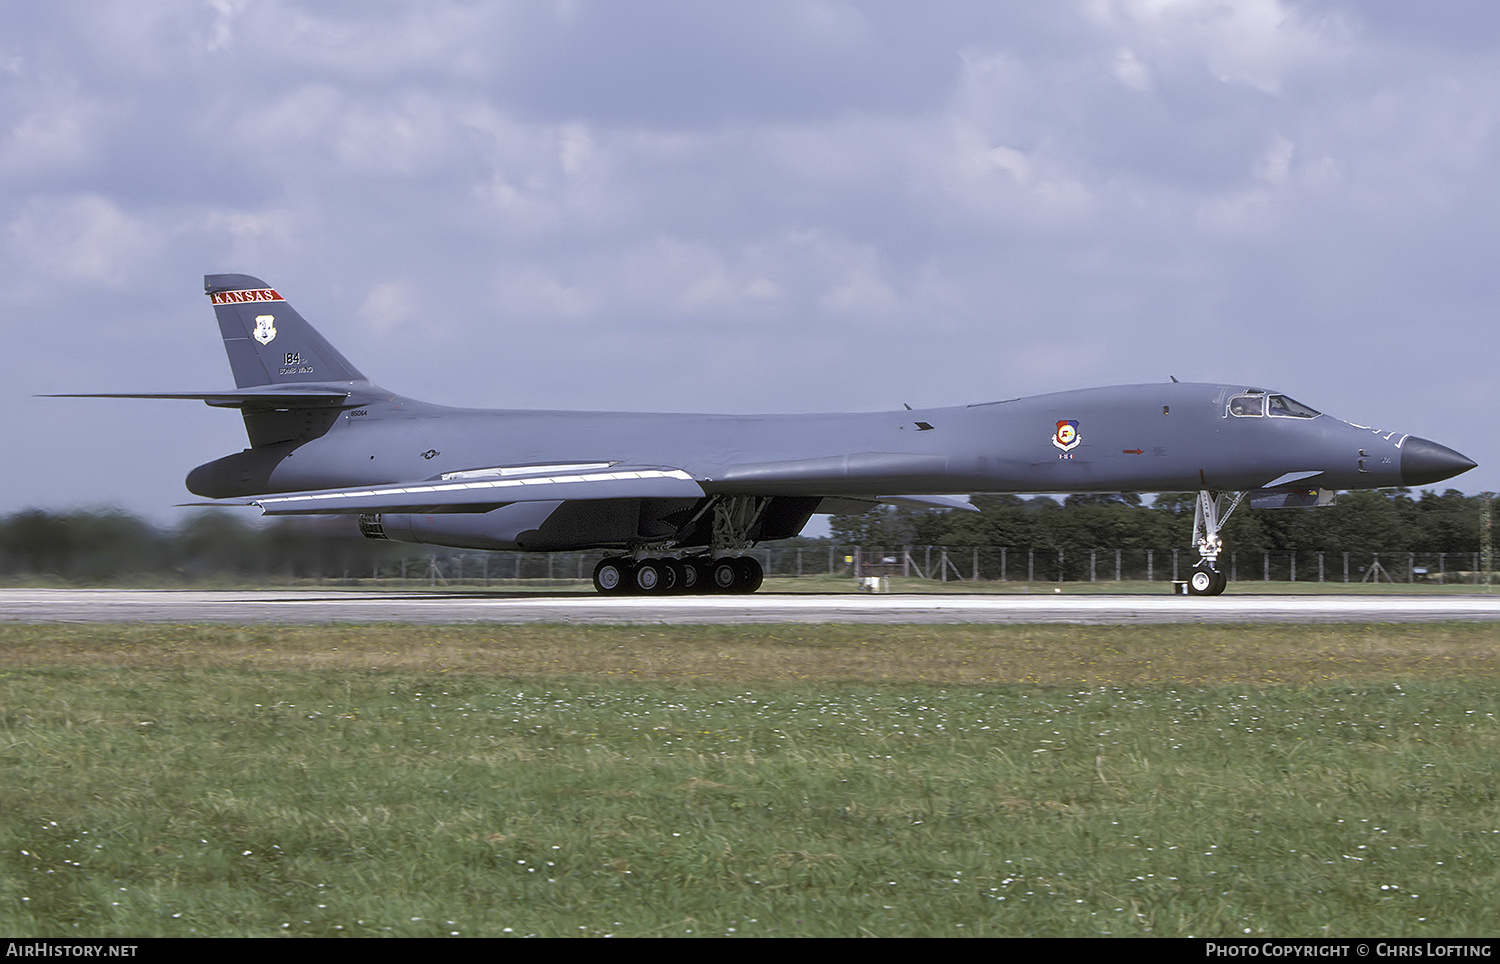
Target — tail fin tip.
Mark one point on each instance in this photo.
(215, 283)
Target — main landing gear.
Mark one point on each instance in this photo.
(618, 575)
(735, 520)
(1213, 510)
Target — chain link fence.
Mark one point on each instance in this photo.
(952, 564)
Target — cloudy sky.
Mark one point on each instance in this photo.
(690, 205)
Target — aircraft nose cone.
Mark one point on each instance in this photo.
(1424, 462)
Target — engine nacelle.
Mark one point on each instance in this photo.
(537, 526)
(582, 524)
(502, 528)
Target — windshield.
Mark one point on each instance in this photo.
(1256, 404)
(1290, 408)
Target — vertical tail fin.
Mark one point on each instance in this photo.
(267, 341)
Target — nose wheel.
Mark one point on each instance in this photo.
(1206, 581)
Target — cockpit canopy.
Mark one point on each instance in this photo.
(1256, 403)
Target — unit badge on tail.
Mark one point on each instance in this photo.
(265, 328)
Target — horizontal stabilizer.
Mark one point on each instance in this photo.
(267, 397)
(482, 495)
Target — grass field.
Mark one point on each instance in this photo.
(750, 781)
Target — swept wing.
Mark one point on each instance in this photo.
(478, 493)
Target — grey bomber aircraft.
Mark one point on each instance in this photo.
(676, 497)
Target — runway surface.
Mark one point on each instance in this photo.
(293, 606)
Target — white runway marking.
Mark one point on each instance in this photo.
(290, 606)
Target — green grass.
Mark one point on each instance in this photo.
(430, 781)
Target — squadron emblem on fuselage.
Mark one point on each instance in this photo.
(1066, 436)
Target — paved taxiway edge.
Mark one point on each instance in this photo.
(304, 607)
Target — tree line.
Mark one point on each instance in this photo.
(91, 547)
(95, 547)
(1383, 520)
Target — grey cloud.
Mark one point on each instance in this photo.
(772, 206)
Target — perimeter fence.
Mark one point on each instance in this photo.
(953, 564)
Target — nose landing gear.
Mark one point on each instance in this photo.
(1213, 510)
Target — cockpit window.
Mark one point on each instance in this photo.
(1248, 406)
(1256, 403)
(1290, 408)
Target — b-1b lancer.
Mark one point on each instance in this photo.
(676, 498)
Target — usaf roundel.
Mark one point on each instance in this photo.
(1066, 436)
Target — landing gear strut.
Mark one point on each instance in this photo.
(1213, 510)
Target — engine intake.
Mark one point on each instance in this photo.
(371, 528)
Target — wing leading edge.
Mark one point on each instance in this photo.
(484, 494)
(490, 489)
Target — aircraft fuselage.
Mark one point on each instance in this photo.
(1143, 438)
